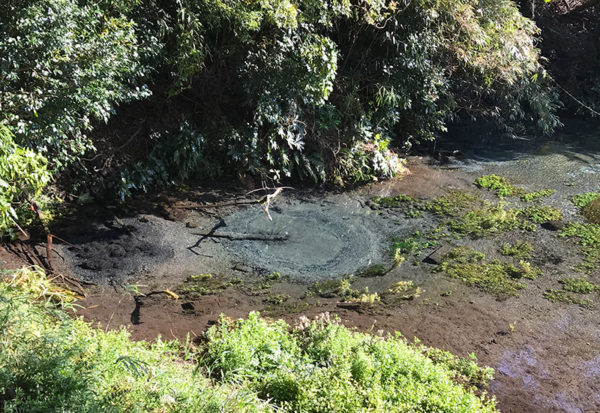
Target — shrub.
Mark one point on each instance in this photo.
(23, 177)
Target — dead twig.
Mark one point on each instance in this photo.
(244, 237)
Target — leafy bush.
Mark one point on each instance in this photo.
(51, 362)
(23, 176)
(66, 64)
(326, 367)
(312, 89)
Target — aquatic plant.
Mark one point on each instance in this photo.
(500, 184)
(534, 196)
(521, 249)
(564, 297)
(581, 200)
(579, 285)
(588, 238)
(494, 277)
(326, 367)
(542, 214)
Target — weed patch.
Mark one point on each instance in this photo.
(542, 214)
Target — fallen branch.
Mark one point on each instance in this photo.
(244, 237)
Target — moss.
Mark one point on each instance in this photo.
(200, 277)
(582, 200)
(376, 270)
(415, 244)
(588, 236)
(496, 278)
(592, 211)
(501, 185)
(579, 285)
(335, 288)
(521, 249)
(277, 299)
(534, 196)
(564, 297)
(452, 204)
(489, 219)
(393, 202)
(542, 214)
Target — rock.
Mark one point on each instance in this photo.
(437, 256)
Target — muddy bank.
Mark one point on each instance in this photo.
(545, 354)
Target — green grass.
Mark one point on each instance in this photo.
(502, 280)
(54, 363)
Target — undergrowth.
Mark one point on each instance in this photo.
(52, 362)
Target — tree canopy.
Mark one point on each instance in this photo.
(126, 95)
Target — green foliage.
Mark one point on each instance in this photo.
(496, 278)
(486, 220)
(393, 202)
(501, 185)
(564, 297)
(581, 200)
(534, 196)
(542, 214)
(579, 285)
(326, 367)
(51, 362)
(521, 249)
(453, 203)
(588, 236)
(23, 177)
(66, 64)
(314, 89)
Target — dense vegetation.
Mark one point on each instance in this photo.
(52, 362)
(127, 95)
